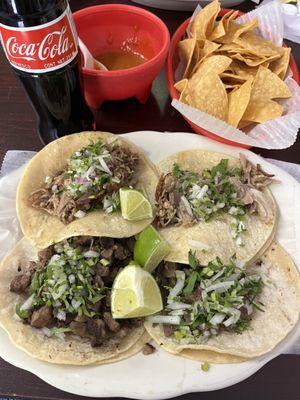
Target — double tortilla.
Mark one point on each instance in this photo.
(72, 349)
(281, 299)
(215, 233)
(44, 229)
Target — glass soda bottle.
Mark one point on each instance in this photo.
(40, 42)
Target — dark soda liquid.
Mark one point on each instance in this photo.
(56, 96)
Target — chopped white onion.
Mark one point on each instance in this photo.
(176, 312)
(61, 315)
(187, 205)
(75, 304)
(239, 241)
(91, 254)
(47, 332)
(198, 192)
(60, 291)
(249, 308)
(218, 274)
(79, 214)
(179, 306)
(235, 316)
(180, 275)
(164, 319)
(60, 335)
(28, 303)
(104, 165)
(196, 244)
(219, 287)
(89, 172)
(217, 319)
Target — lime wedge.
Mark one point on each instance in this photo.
(134, 205)
(150, 249)
(135, 293)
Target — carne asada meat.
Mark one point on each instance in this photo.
(91, 180)
(148, 349)
(70, 287)
(21, 281)
(41, 317)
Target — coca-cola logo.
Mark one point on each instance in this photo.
(54, 44)
(41, 48)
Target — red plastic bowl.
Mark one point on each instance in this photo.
(172, 62)
(105, 28)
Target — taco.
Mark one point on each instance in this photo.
(213, 202)
(71, 187)
(55, 303)
(227, 312)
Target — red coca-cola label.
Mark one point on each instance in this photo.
(41, 48)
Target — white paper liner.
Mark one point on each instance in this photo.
(278, 133)
(270, 21)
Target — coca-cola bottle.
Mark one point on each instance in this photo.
(40, 41)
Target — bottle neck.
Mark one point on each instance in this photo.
(20, 13)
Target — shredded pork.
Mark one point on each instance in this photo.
(55, 200)
(172, 208)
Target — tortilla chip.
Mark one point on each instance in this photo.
(188, 55)
(234, 30)
(262, 110)
(221, 28)
(243, 70)
(252, 61)
(268, 85)
(216, 64)
(238, 101)
(230, 18)
(207, 93)
(280, 66)
(231, 87)
(204, 21)
(229, 77)
(205, 49)
(257, 44)
(180, 85)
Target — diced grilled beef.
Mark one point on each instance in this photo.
(42, 317)
(20, 282)
(79, 328)
(106, 242)
(107, 253)
(111, 323)
(82, 240)
(148, 349)
(96, 331)
(168, 330)
(121, 252)
(45, 255)
(195, 296)
(102, 270)
(98, 281)
(169, 269)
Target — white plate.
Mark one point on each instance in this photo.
(183, 5)
(163, 375)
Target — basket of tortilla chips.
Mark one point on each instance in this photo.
(227, 70)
